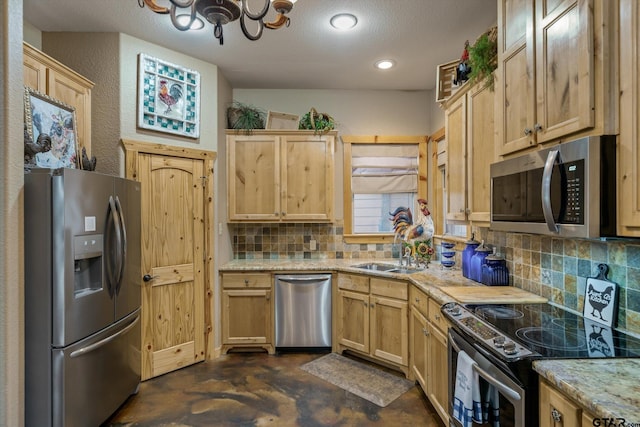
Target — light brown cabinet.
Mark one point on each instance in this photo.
(628, 147)
(50, 77)
(280, 176)
(372, 318)
(557, 410)
(429, 350)
(470, 135)
(247, 311)
(554, 75)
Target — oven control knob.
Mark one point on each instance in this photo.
(499, 341)
(455, 311)
(510, 348)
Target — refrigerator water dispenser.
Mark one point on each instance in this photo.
(87, 255)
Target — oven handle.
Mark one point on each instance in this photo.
(507, 391)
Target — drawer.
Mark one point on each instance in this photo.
(353, 282)
(419, 300)
(436, 317)
(389, 288)
(246, 280)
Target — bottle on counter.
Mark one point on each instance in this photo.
(477, 260)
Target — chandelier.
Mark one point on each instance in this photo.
(184, 13)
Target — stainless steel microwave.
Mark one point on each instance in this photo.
(567, 190)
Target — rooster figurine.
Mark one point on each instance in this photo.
(416, 235)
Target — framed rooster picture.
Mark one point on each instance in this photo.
(168, 97)
(601, 298)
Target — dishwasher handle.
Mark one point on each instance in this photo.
(299, 278)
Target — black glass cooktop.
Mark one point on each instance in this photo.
(557, 333)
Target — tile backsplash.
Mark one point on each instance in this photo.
(555, 268)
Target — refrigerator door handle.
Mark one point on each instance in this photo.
(96, 345)
(113, 266)
(123, 245)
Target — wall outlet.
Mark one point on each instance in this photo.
(219, 229)
(312, 245)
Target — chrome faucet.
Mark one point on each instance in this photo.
(397, 237)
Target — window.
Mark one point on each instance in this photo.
(381, 173)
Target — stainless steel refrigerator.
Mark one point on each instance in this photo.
(82, 296)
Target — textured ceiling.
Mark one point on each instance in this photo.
(309, 54)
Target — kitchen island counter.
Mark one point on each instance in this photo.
(606, 388)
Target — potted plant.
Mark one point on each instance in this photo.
(245, 117)
(483, 58)
(319, 122)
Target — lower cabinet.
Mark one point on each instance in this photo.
(557, 410)
(247, 311)
(429, 364)
(372, 318)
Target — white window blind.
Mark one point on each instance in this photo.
(384, 169)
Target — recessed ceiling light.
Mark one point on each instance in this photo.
(197, 24)
(385, 64)
(343, 21)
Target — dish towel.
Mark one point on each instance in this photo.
(490, 404)
(467, 406)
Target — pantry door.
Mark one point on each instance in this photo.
(175, 249)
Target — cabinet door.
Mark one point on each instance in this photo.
(253, 180)
(515, 80)
(556, 410)
(628, 147)
(66, 88)
(34, 73)
(438, 380)
(307, 177)
(480, 151)
(390, 330)
(564, 67)
(353, 320)
(246, 316)
(419, 347)
(456, 131)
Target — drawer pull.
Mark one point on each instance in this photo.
(556, 415)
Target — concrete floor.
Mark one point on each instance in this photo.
(255, 389)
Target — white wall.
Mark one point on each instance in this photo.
(11, 214)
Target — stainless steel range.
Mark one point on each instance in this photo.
(504, 339)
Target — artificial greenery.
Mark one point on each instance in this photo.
(319, 122)
(245, 117)
(483, 59)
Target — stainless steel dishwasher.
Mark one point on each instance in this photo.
(303, 311)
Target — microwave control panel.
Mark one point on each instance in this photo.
(573, 177)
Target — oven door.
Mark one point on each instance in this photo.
(502, 398)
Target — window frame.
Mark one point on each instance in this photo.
(347, 143)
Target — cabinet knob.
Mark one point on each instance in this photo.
(246, 282)
(556, 415)
(284, 213)
(148, 277)
(437, 317)
(425, 332)
(537, 127)
(365, 304)
(417, 299)
(372, 305)
(528, 131)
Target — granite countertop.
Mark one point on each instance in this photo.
(429, 280)
(606, 388)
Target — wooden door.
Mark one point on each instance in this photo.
(390, 330)
(307, 177)
(419, 348)
(628, 148)
(456, 131)
(353, 320)
(564, 67)
(480, 152)
(247, 317)
(515, 79)
(438, 380)
(253, 179)
(177, 253)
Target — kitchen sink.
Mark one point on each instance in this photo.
(372, 266)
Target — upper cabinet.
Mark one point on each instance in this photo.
(554, 76)
(628, 151)
(50, 77)
(280, 176)
(470, 134)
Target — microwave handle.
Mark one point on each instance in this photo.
(546, 191)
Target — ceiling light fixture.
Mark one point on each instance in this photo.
(343, 21)
(385, 64)
(220, 12)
